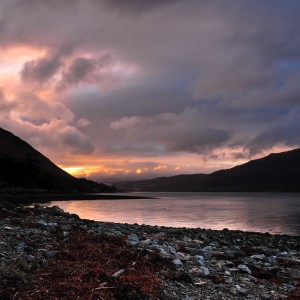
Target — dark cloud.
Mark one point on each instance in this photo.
(40, 70)
(170, 133)
(86, 70)
(79, 70)
(78, 142)
(284, 131)
(198, 141)
(135, 6)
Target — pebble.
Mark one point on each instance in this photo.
(213, 264)
(66, 227)
(177, 262)
(205, 271)
(244, 268)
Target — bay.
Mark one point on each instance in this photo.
(260, 212)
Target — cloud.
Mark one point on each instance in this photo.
(136, 6)
(79, 70)
(5, 106)
(182, 132)
(40, 70)
(285, 131)
(153, 78)
(100, 71)
(47, 125)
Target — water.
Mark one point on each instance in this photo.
(261, 212)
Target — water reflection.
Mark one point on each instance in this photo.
(275, 213)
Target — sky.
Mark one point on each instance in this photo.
(128, 89)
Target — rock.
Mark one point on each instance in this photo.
(42, 222)
(200, 262)
(50, 253)
(258, 257)
(180, 255)
(171, 249)
(177, 262)
(133, 238)
(21, 245)
(56, 211)
(241, 290)
(30, 258)
(272, 259)
(233, 290)
(117, 233)
(205, 271)
(229, 254)
(195, 251)
(200, 283)
(146, 242)
(51, 228)
(196, 270)
(118, 273)
(244, 268)
(8, 228)
(66, 228)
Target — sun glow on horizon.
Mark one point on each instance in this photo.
(117, 168)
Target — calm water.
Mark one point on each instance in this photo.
(274, 213)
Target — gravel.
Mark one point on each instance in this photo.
(180, 263)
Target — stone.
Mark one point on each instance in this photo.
(21, 245)
(51, 229)
(180, 255)
(241, 290)
(133, 238)
(66, 228)
(146, 242)
(171, 249)
(50, 253)
(117, 233)
(205, 271)
(56, 210)
(258, 257)
(201, 262)
(195, 251)
(42, 222)
(177, 262)
(30, 258)
(272, 259)
(244, 268)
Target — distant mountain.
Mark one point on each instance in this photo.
(278, 172)
(23, 167)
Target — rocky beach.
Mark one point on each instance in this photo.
(46, 253)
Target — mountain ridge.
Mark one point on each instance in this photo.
(276, 172)
(23, 167)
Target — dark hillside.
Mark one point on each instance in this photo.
(278, 172)
(23, 167)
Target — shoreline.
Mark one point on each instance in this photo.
(40, 246)
(31, 198)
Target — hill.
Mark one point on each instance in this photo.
(277, 172)
(24, 168)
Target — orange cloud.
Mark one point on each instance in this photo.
(159, 167)
(139, 171)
